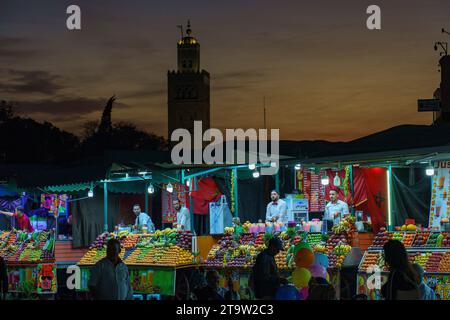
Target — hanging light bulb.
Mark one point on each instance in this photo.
(256, 174)
(169, 188)
(90, 193)
(188, 182)
(150, 189)
(325, 180)
(337, 180)
(298, 166)
(429, 171)
(252, 166)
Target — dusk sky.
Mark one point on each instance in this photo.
(324, 74)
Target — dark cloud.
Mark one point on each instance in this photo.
(65, 107)
(149, 93)
(18, 81)
(239, 74)
(12, 48)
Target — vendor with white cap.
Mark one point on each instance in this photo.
(276, 209)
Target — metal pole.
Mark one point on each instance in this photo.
(146, 196)
(236, 194)
(389, 188)
(277, 181)
(105, 206)
(352, 188)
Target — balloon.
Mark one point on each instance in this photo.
(301, 277)
(304, 258)
(288, 292)
(301, 245)
(318, 271)
(321, 259)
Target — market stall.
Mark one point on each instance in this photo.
(30, 259)
(235, 253)
(154, 259)
(429, 249)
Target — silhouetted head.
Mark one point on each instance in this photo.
(113, 249)
(395, 255)
(212, 279)
(137, 209)
(274, 195)
(274, 246)
(396, 258)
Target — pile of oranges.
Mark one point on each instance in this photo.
(444, 265)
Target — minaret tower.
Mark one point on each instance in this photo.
(188, 87)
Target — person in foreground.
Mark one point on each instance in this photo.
(110, 279)
(266, 279)
(403, 281)
(320, 289)
(212, 290)
(3, 279)
(426, 293)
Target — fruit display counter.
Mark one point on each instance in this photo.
(153, 259)
(431, 250)
(168, 247)
(30, 260)
(18, 247)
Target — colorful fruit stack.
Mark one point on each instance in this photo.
(334, 240)
(408, 239)
(444, 265)
(130, 241)
(397, 236)
(280, 259)
(92, 256)
(247, 238)
(421, 239)
(338, 255)
(446, 240)
(433, 262)
(370, 259)
(381, 238)
(422, 259)
(184, 240)
(433, 239)
(314, 239)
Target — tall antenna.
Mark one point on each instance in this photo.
(181, 29)
(264, 107)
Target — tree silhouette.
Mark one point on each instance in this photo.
(26, 140)
(106, 122)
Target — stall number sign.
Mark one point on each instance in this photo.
(443, 290)
(440, 194)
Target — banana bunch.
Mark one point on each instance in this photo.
(283, 235)
(123, 234)
(229, 230)
(342, 249)
(320, 248)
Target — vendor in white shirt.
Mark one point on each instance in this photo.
(142, 219)
(183, 216)
(335, 210)
(276, 209)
